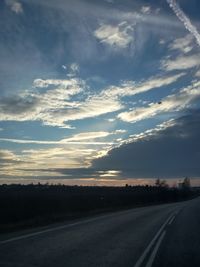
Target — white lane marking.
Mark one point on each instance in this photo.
(154, 252)
(142, 257)
(172, 219)
(69, 225)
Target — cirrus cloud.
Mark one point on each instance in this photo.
(181, 62)
(170, 103)
(54, 102)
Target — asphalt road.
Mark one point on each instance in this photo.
(164, 235)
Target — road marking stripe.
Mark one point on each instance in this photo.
(154, 252)
(172, 219)
(142, 257)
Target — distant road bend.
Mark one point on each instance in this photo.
(163, 235)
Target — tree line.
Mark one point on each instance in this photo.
(32, 205)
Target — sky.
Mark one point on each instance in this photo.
(99, 92)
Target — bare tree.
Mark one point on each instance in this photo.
(161, 183)
(186, 183)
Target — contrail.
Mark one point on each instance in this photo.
(186, 21)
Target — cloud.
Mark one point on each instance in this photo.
(52, 100)
(55, 106)
(76, 173)
(109, 99)
(175, 102)
(31, 163)
(63, 156)
(110, 1)
(183, 44)
(76, 151)
(17, 106)
(181, 62)
(84, 138)
(15, 6)
(183, 18)
(146, 9)
(197, 74)
(169, 152)
(119, 36)
(65, 84)
(129, 88)
(41, 154)
(7, 158)
(81, 173)
(93, 106)
(88, 136)
(60, 142)
(73, 70)
(41, 106)
(49, 162)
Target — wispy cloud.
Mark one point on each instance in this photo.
(129, 88)
(29, 162)
(15, 6)
(88, 136)
(85, 138)
(117, 36)
(183, 44)
(186, 21)
(61, 142)
(7, 158)
(76, 151)
(58, 156)
(146, 9)
(69, 84)
(55, 106)
(170, 103)
(150, 132)
(181, 62)
(42, 106)
(197, 74)
(49, 161)
(52, 100)
(73, 70)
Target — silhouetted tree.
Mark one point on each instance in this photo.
(161, 183)
(186, 183)
(157, 182)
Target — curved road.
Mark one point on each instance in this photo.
(163, 235)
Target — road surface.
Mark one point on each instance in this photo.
(163, 235)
